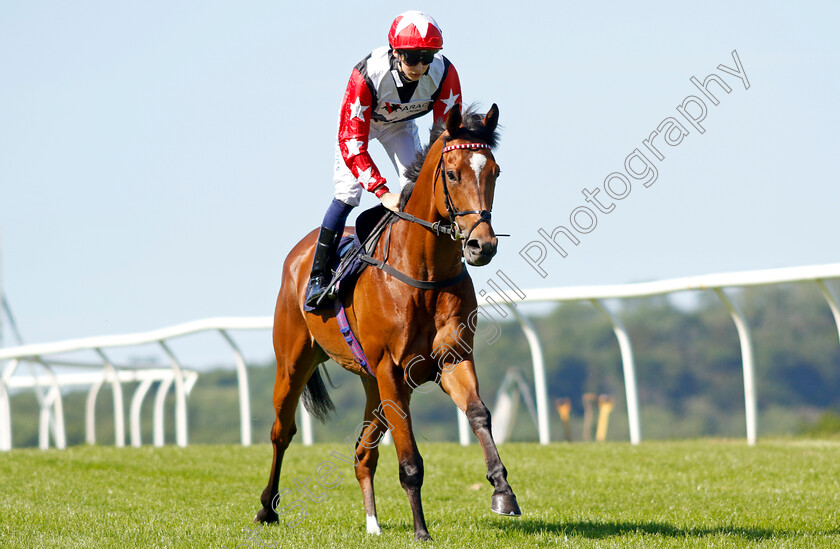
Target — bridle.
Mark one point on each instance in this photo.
(484, 215)
(453, 230)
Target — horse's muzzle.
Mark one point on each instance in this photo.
(479, 251)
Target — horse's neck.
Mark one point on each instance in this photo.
(417, 250)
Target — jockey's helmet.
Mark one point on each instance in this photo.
(414, 30)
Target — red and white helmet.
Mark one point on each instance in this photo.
(414, 30)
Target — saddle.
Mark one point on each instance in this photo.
(349, 261)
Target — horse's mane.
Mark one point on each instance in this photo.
(472, 128)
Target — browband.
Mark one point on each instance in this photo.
(465, 146)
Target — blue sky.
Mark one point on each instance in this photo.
(158, 160)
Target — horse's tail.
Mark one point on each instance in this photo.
(316, 398)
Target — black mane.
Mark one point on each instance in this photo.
(472, 128)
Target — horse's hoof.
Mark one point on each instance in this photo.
(422, 536)
(265, 516)
(505, 504)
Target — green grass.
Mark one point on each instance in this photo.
(701, 493)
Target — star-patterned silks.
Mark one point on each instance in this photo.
(357, 110)
(450, 101)
(365, 177)
(353, 147)
(367, 99)
(417, 19)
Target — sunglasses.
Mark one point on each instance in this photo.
(412, 57)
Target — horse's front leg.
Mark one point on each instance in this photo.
(395, 395)
(460, 383)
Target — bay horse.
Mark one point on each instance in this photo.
(406, 317)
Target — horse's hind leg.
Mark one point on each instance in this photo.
(461, 384)
(297, 359)
(367, 453)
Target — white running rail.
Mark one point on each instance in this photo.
(49, 384)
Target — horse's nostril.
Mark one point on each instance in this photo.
(474, 244)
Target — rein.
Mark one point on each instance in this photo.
(435, 227)
(382, 264)
(422, 284)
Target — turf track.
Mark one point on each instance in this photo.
(702, 493)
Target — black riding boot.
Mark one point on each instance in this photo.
(318, 278)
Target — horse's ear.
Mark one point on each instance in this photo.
(491, 119)
(453, 121)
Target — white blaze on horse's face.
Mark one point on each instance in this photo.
(477, 162)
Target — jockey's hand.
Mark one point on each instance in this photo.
(391, 201)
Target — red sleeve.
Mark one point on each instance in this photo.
(354, 132)
(450, 94)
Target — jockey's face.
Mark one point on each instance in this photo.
(411, 72)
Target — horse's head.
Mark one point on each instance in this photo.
(467, 177)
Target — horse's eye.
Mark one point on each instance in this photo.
(451, 175)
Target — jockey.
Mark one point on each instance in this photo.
(388, 89)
